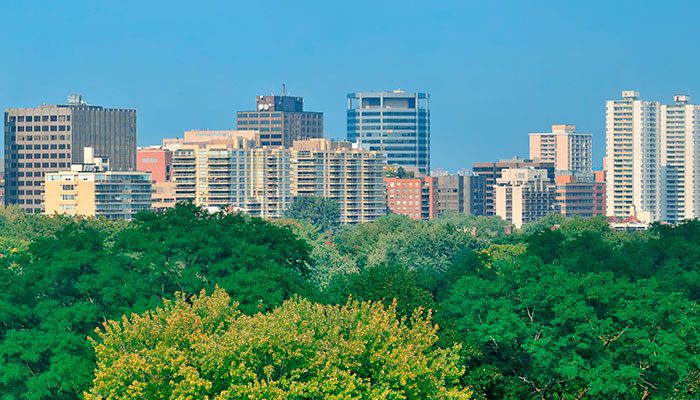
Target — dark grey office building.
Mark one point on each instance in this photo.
(49, 138)
(396, 123)
(281, 120)
(460, 194)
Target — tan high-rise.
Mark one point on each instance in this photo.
(262, 181)
(569, 150)
(351, 177)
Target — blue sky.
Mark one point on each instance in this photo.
(495, 70)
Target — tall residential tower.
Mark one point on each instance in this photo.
(632, 136)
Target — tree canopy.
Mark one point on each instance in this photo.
(321, 212)
(563, 309)
(203, 347)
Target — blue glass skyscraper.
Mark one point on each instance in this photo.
(396, 123)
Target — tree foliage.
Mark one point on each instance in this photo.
(71, 278)
(321, 212)
(203, 347)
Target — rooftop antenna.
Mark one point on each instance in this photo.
(284, 91)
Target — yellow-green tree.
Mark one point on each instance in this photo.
(204, 348)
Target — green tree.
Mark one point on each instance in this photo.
(203, 347)
(539, 331)
(56, 290)
(188, 249)
(322, 212)
(326, 260)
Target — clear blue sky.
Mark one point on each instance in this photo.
(495, 70)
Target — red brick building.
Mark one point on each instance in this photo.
(414, 197)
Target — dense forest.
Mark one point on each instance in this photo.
(190, 304)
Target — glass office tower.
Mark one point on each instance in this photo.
(396, 123)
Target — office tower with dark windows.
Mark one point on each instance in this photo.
(396, 123)
(50, 138)
(281, 120)
(460, 194)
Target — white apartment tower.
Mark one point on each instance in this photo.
(633, 151)
(653, 158)
(570, 151)
(680, 159)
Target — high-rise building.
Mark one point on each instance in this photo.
(633, 158)
(352, 177)
(460, 194)
(569, 150)
(213, 173)
(680, 160)
(413, 197)
(581, 194)
(232, 171)
(50, 138)
(270, 182)
(524, 195)
(92, 189)
(280, 120)
(396, 123)
(491, 171)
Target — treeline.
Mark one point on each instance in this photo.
(565, 309)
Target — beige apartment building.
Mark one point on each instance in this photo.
(230, 170)
(569, 150)
(352, 177)
(218, 172)
(524, 195)
(91, 189)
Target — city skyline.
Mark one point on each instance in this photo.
(484, 59)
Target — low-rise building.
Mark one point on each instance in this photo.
(91, 189)
(524, 195)
(415, 198)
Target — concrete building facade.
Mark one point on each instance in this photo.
(155, 160)
(50, 138)
(524, 195)
(491, 172)
(680, 160)
(460, 194)
(396, 123)
(569, 150)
